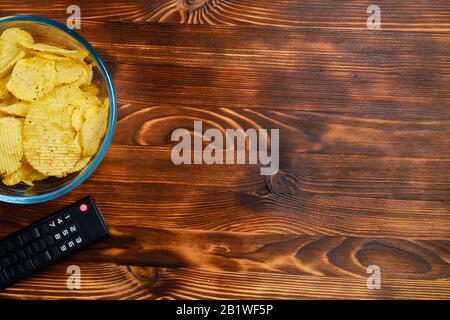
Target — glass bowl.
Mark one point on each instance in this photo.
(54, 33)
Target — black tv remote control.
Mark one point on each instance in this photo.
(50, 240)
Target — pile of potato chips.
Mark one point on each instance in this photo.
(52, 121)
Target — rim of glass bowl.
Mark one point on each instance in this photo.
(112, 115)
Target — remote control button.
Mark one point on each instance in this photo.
(71, 244)
(63, 248)
(35, 247)
(22, 255)
(3, 277)
(49, 240)
(10, 273)
(73, 229)
(28, 266)
(65, 232)
(28, 251)
(57, 236)
(67, 217)
(17, 243)
(20, 269)
(78, 240)
(5, 263)
(30, 235)
(13, 258)
(44, 228)
(55, 251)
(51, 224)
(42, 258)
(41, 244)
(59, 221)
(7, 247)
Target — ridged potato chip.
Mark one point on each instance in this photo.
(91, 90)
(32, 78)
(17, 36)
(10, 100)
(4, 92)
(85, 108)
(87, 80)
(11, 49)
(48, 56)
(62, 97)
(77, 119)
(19, 109)
(49, 143)
(6, 68)
(70, 71)
(10, 145)
(89, 105)
(26, 174)
(73, 54)
(81, 164)
(93, 131)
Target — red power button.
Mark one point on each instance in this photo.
(83, 208)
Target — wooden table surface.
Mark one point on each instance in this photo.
(364, 119)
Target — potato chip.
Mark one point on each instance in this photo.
(81, 164)
(19, 109)
(35, 176)
(73, 54)
(6, 68)
(77, 119)
(69, 71)
(89, 105)
(17, 36)
(4, 92)
(86, 107)
(32, 78)
(17, 176)
(10, 99)
(10, 144)
(91, 90)
(87, 80)
(62, 97)
(49, 145)
(93, 131)
(11, 50)
(26, 174)
(48, 56)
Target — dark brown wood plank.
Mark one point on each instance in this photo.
(396, 15)
(301, 132)
(390, 75)
(134, 283)
(232, 198)
(194, 284)
(278, 253)
(109, 281)
(99, 281)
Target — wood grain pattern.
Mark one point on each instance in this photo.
(109, 281)
(364, 178)
(417, 16)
